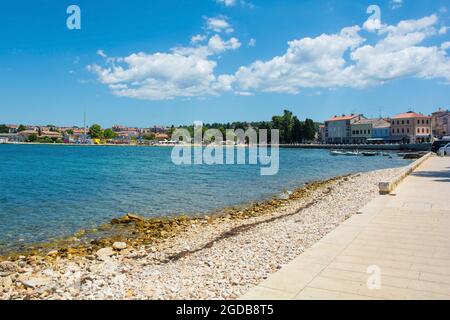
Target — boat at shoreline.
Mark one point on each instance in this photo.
(344, 153)
(337, 153)
(369, 153)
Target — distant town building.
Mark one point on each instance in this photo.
(440, 121)
(411, 127)
(338, 128)
(159, 129)
(10, 137)
(161, 136)
(13, 128)
(24, 135)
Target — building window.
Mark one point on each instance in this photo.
(407, 130)
(407, 121)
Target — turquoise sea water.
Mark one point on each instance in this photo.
(52, 191)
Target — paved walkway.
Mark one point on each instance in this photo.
(405, 237)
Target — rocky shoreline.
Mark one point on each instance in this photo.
(211, 257)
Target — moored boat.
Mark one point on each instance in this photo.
(337, 153)
(369, 153)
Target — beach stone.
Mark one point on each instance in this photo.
(130, 217)
(52, 253)
(5, 283)
(35, 282)
(8, 267)
(104, 253)
(119, 245)
(50, 273)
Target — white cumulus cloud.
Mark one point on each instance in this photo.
(329, 61)
(228, 3)
(219, 24)
(183, 72)
(345, 60)
(395, 4)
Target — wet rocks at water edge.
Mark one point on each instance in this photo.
(129, 218)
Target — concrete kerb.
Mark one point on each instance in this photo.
(387, 187)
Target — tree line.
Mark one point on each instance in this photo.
(291, 129)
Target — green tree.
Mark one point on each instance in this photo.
(96, 131)
(284, 124)
(309, 130)
(109, 134)
(4, 128)
(69, 131)
(45, 139)
(149, 136)
(297, 131)
(21, 128)
(32, 137)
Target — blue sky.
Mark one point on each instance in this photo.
(139, 63)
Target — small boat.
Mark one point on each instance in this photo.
(352, 153)
(337, 153)
(385, 154)
(369, 154)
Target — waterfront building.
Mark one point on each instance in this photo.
(440, 122)
(381, 129)
(411, 127)
(361, 130)
(9, 137)
(370, 130)
(338, 128)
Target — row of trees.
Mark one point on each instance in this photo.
(291, 129)
(97, 132)
(4, 128)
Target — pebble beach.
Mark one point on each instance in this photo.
(208, 259)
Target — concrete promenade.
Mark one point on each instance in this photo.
(397, 247)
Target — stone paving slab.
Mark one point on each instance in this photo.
(405, 236)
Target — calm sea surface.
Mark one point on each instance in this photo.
(53, 191)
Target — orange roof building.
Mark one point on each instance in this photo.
(412, 126)
(338, 128)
